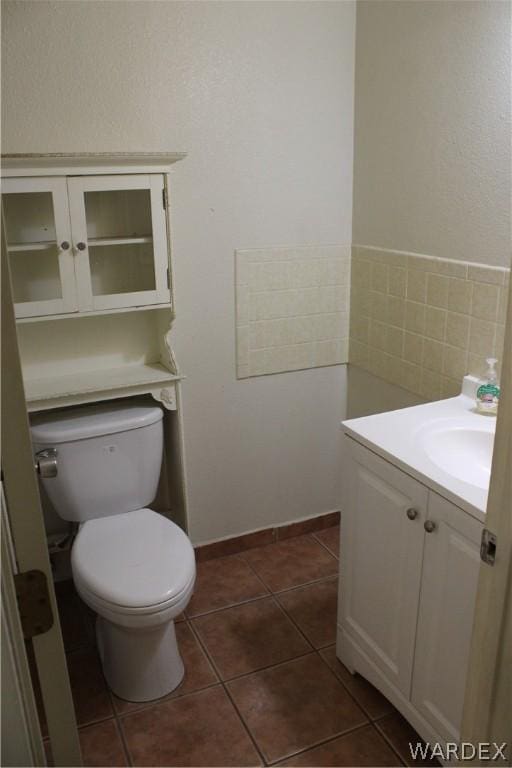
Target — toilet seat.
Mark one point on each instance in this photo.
(133, 565)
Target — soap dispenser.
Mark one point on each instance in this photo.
(488, 393)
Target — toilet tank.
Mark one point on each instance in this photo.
(109, 458)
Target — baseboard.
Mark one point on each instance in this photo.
(236, 544)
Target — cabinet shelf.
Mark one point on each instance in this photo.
(92, 313)
(42, 246)
(120, 240)
(102, 384)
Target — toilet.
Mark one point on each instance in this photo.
(132, 566)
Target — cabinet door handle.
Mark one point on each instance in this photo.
(429, 526)
(81, 246)
(412, 513)
(64, 245)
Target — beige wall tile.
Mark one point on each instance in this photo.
(459, 295)
(358, 353)
(485, 301)
(361, 274)
(417, 285)
(378, 306)
(241, 269)
(397, 280)
(242, 345)
(482, 337)
(378, 334)
(379, 277)
(410, 377)
(396, 311)
(414, 317)
(455, 362)
(413, 348)
(257, 362)
(437, 290)
(426, 349)
(435, 323)
(394, 343)
(502, 304)
(423, 263)
(486, 274)
(433, 355)
(396, 258)
(451, 268)
(457, 330)
(360, 302)
(430, 387)
(450, 387)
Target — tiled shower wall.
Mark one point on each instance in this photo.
(422, 322)
(292, 308)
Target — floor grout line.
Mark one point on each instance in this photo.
(389, 742)
(226, 691)
(339, 735)
(124, 742)
(337, 557)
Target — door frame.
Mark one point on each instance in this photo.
(488, 699)
(29, 545)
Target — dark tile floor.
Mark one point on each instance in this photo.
(262, 686)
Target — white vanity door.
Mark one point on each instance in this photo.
(448, 591)
(380, 564)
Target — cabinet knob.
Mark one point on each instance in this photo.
(64, 245)
(412, 513)
(429, 526)
(81, 246)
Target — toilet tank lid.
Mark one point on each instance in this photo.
(92, 421)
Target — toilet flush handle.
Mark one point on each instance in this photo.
(46, 462)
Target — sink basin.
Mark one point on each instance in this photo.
(461, 451)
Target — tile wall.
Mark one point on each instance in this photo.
(423, 322)
(292, 308)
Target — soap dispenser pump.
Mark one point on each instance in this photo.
(488, 393)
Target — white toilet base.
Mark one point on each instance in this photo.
(139, 665)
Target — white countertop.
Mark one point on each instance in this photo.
(401, 438)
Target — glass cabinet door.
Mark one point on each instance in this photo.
(38, 233)
(120, 240)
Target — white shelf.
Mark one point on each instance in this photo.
(119, 240)
(105, 384)
(16, 247)
(93, 313)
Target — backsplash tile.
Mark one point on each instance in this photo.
(292, 308)
(423, 322)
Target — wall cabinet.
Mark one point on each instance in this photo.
(408, 579)
(86, 243)
(88, 238)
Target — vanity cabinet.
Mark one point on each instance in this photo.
(408, 578)
(86, 243)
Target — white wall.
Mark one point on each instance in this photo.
(261, 97)
(432, 160)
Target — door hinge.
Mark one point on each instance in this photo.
(164, 198)
(488, 547)
(168, 278)
(33, 602)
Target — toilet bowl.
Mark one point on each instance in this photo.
(133, 567)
